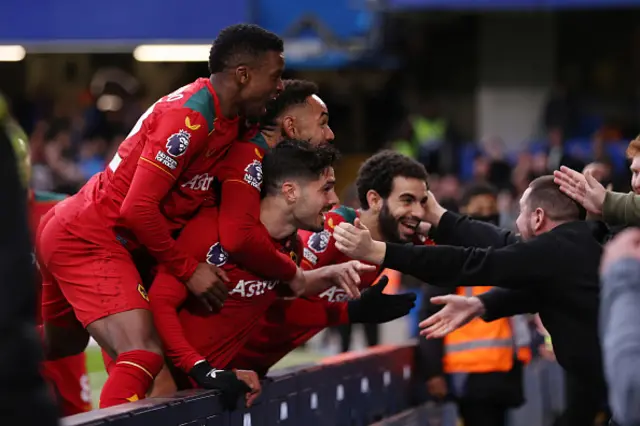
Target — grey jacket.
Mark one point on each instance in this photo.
(620, 337)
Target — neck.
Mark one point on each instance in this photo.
(550, 225)
(272, 136)
(226, 93)
(277, 220)
(370, 220)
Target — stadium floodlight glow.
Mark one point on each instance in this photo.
(172, 53)
(10, 53)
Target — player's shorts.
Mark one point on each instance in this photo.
(92, 280)
(69, 381)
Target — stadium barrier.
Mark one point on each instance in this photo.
(358, 389)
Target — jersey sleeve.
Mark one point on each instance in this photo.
(167, 294)
(168, 149)
(241, 233)
(320, 247)
(172, 139)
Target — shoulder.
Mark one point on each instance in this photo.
(196, 103)
(319, 242)
(338, 215)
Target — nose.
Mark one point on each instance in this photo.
(329, 135)
(417, 210)
(280, 86)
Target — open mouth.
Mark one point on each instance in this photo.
(409, 226)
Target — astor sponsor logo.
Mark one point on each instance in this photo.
(165, 160)
(334, 295)
(251, 288)
(199, 182)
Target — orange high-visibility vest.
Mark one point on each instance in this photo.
(483, 347)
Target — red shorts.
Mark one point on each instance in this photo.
(70, 382)
(91, 280)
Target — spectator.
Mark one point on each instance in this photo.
(66, 175)
(616, 208)
(485, 381)
(619, 319)
(499, 168)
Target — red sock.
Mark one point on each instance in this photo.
(108, 361)
(130, 377)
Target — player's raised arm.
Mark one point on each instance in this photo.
(167, 293)
(241, 232)
(173, 139)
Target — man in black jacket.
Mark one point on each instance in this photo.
(24, 398)
(553, 271)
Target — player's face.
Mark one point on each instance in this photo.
(309, 122)
(316, 198)
(264, 84)
(403, 210)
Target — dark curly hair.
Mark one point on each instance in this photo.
(378, 172)
(297, 160)
(295, 92)
(239, 44)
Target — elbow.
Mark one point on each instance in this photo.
(129, 213)
(234, 241)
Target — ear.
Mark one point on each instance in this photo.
(540, 217)
(242, 74)
(288, 126)
(290, 191)
(374, 200)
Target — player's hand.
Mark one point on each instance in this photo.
(437, 387)
(355, 241)
(229, 383)
(347, 276)
(208, 283)
(583, 189)
(457, 311)
(375, 307)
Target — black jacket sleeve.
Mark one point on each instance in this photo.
(502, 303)
(459, 230)
(24, 398)
(431, 351)
(520, 265)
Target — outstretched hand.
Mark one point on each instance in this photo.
(457, 311)
(355, 241)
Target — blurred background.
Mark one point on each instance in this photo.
(499, 91)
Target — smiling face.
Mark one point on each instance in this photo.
(403, 209)
(314, 198)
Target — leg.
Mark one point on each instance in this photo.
(584, 400)
(103, 287)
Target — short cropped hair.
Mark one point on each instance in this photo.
(297, 160)
(477, 189)
(546, 194)
(378, 172)
(633, 149)
(295, 92)
(239, 44)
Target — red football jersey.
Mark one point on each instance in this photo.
(188, 331)
(279, 336)
(240, 231)
(167, 159)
